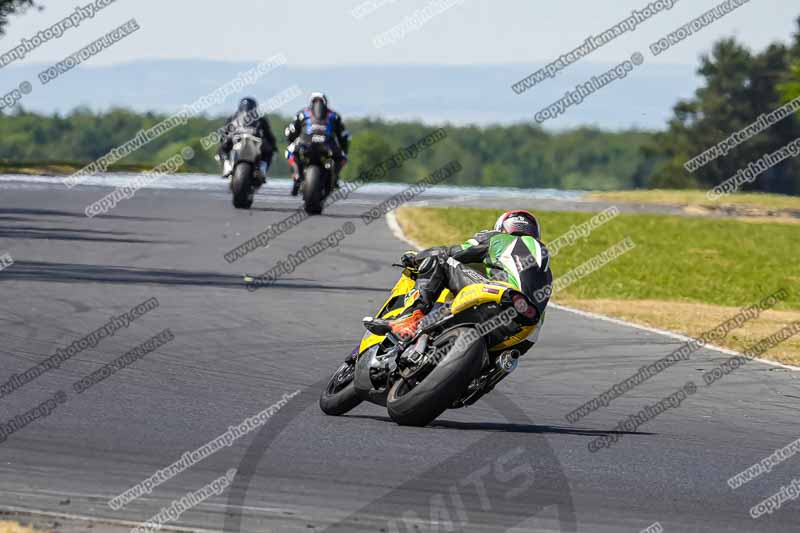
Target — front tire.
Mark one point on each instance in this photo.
(421, 404)
(339, 395)
(312, 190)
(242, 186)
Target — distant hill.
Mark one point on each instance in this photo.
(458, 94)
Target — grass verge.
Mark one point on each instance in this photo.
(15, 527)
(691, 198)
(684, 274)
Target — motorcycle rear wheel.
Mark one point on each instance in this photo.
(419, 404)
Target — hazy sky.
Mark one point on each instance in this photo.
(313, 32)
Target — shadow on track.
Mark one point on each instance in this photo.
(509, 427)
(63, 234)
(290, 210)
(70, 230)
(57, 213)
(77, 273)
(447, 491)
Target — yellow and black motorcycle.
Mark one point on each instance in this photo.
(464, 347)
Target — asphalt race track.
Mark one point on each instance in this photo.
(509, 463)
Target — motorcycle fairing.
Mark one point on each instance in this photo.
(402, 297)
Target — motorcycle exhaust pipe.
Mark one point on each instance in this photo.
(506, 363)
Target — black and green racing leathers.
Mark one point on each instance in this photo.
(521, 261)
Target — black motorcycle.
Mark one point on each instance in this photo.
(318, 177)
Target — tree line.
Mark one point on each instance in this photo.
(504, 156)
(739, 86)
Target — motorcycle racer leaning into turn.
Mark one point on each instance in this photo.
(512, 253)
(317, 121)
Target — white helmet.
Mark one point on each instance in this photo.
(319, 105)
(318, 96)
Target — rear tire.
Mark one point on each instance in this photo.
(312, 190)
(242, 186)
(339, 395)
(420, 405)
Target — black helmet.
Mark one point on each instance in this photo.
(248, 104)
(319, 105)
(518, 222)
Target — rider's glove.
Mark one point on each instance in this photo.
(409, 259)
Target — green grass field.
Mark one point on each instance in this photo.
(714, 261)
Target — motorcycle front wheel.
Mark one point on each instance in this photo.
(242, 185)
(312, 190)
(339, 395)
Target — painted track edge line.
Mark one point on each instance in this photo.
(397, 231)
(666, 333)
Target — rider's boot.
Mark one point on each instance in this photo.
(261, 173)
(338, 167)
(430, 282)
(405, 327)
(227, 168)
(295, 179)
